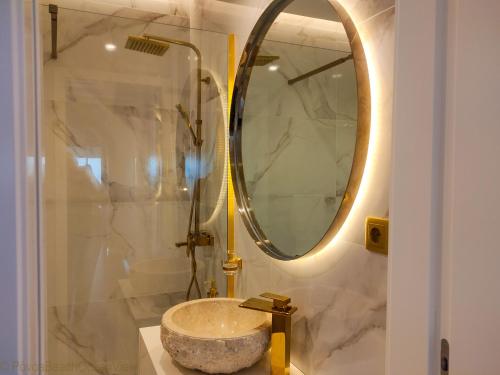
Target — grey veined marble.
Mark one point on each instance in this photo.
(215, 335)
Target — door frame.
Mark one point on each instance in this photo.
(414, 275)
(19, 267)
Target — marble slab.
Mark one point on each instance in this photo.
(154, 360)
(148, 308)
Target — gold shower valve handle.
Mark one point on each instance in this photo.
(200, 239)
(204, 239)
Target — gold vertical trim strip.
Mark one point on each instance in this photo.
(231, 61)
(230, 188)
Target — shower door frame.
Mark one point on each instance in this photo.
(20, 278)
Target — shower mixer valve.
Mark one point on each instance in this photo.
(202, 239)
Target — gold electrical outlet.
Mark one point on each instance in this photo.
(377, 235)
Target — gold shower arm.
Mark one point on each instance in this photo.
(320, 69)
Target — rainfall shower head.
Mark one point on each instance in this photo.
(146, 45)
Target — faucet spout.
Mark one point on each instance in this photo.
(281, 329)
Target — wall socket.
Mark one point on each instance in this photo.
(377, 235)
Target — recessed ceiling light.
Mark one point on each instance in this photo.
(336, 75)
(110, 47)
(273, 68)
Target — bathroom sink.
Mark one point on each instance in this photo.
(214, 335)
(162, 275)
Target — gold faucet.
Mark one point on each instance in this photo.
(212, 292)
(281, 328)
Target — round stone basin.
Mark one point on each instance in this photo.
(214, 335)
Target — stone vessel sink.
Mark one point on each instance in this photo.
(214, 335)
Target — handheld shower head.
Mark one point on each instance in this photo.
(146, 45)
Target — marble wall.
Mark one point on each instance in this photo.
(340, 291)
(118, 176)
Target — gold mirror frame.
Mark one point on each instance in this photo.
(236, 123)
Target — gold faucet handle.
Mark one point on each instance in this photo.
(279, 302)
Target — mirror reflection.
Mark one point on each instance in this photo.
(299, 128)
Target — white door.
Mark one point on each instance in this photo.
(471, 212)
(444, 256)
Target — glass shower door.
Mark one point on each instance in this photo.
(117, 182)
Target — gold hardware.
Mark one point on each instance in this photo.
(261, 60)
(187, 121)
(146, 45)
(53, 10)
(202, 239)
(281, 328)
(279, 302)
(320, 69)
(377, 235)
(233, 263)
(212, 292)
(231, 268)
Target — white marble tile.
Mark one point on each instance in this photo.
(171, 12)
(80, 339)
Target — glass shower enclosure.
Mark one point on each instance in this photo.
(119, 171)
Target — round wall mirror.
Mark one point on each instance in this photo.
(300, 124)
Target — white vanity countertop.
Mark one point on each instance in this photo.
(154, 360)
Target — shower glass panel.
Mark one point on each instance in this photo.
(118, 172)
